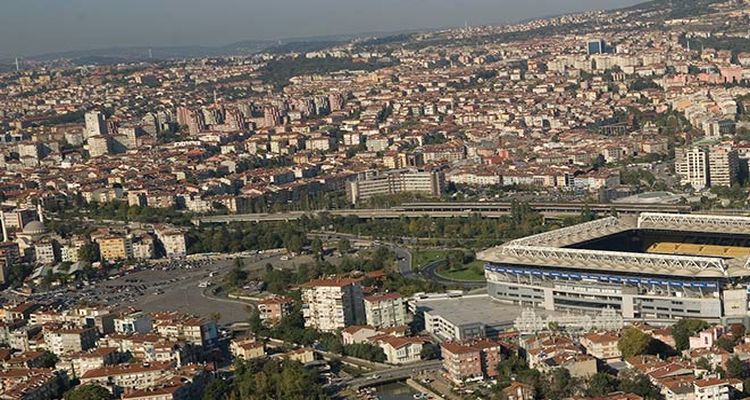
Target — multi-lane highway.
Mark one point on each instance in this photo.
(449, 210)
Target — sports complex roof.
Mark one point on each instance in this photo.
(552, 249)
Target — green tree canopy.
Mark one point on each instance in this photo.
(633, 342)
(88, 392)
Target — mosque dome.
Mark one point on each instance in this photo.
(34, 228)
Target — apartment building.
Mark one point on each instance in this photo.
(723, 165)
(395, 181)
(69, 340)
(461, 363)
(691, 166)
(247, 348)
(272, 309)
(602, 345)
(115, 247)
(173, 240)
(133, 322)
(331, 304)
(385, 310)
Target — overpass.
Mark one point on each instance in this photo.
(448, 210)
(393, 374)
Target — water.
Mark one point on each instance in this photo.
(395, 391)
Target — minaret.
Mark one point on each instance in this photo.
(40, 212)
(2, 222)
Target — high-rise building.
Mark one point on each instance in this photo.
(95, 124)
(595, 46)
(691, 165)
(723, 165)
(331, 304)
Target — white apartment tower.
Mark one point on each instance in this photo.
(691, 165)
(331, 304)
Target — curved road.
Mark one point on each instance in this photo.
(404, 263)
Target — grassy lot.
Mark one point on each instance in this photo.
(474, 271)
(422, 258)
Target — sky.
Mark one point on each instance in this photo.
(32, 27)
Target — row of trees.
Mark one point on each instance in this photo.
(267, 379)
(246, 236)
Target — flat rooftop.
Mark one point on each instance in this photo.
(473, 309)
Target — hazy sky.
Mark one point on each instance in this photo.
(29, 27)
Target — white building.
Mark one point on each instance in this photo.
(691, 165)
(385, 310)
(173, 240)
(331, 304)
(137, 321)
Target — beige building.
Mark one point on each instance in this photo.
(247, 348)
(601, 345)
(723, 165)
(115, 248)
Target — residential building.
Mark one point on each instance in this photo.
(385, 310)
(691, 166)
(69, 340)
(331, 304)
(395, 181)
(247, 348)
(273, 308)
(602, 345)
(723, 165)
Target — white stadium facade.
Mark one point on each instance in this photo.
(653, 267)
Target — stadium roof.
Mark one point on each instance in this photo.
(551, 248)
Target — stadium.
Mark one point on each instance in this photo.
(652, 266)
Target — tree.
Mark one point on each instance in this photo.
(88, 392)
(639, 384)
(48, 359)
(633, 342)
(602, 384)
(89, 253)
(216, 390)
(725, 343)
(735, 368)
(559, 385)
(317, 248)
(430, 351)
(344, 246)
(683, 329)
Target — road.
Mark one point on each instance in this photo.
(404, 262)
(393, 374)
(429, 272)
(448, 210)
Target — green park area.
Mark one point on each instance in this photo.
(457, 264)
